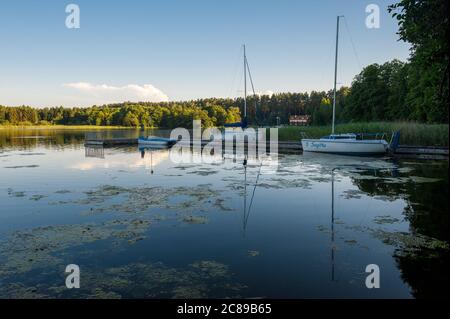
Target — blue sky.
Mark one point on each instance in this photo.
(182, 49)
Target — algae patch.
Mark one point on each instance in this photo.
(142, 199)
(203, 172)
(62, 191)
(253, 253)
(201, 279)
(409, 242)
(38, 247)
(386, 219)
(13, 193)
(211, 268)
(353, 194)
(37, 197)
(195, 219)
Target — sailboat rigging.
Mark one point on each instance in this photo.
(244, 122)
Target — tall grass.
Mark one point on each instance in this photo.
(410, 133)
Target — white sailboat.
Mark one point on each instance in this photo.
(349, 143)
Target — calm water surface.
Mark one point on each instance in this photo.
(141, 226)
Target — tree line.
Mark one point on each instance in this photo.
(416, 90)
(212, 112)
(170, 114)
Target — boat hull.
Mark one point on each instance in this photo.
(345, 147)
(159, 142)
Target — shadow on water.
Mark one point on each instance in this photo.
(423, 265)
(421, 253)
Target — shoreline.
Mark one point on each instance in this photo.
(69, 127)
(412, 134)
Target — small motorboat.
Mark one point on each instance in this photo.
(156, 141)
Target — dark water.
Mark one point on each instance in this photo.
(150, 228)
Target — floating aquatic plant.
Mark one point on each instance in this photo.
(142, 199)
(202, 279)
(352, 194)
(253, 253)
(37, 197)
(386, 219)
(195, 219)
(37, 247)
(408, 241)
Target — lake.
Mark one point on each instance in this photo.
(139, 225)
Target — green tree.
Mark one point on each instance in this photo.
(130, 120)
(425, 25)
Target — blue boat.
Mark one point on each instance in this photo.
(156, 141)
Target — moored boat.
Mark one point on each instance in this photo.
(156, 141)
(349, 143)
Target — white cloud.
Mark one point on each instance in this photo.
(267, 92)
(261, 93)
(104, 94)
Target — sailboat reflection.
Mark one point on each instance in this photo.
(333, 247)
(142, 150)
(159, 152)
(248, 210)
(393, 170)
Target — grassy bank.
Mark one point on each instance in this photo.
(411, 133)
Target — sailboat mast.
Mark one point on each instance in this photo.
(245, 84)
(335, 74)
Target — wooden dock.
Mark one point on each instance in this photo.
(421, 152)
(111, 141)
(285, 145)
(405, 149)
(291, 146)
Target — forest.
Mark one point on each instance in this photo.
(416, 90)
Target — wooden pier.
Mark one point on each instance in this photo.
(423, 152)
(285, 145)
(430, 150)
(111, 141)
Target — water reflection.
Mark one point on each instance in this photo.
(161, 153)
(421, 253)
(231, 228)
(248, 210)
(95, 151)
(332, 224)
